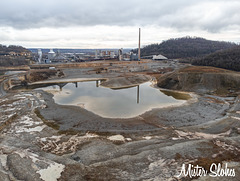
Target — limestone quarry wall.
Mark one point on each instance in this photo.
(201, 82)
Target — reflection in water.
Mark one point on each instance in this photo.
(97, 84)
(113, 103)
(177, 95)
(62, 85)
(138, 94)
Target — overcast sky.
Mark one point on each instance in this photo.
(115, 23)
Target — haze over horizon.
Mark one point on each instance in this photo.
(114, 24)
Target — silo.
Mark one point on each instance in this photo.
(51, 54)
(39, 55)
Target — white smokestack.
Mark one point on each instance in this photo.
(139, 45)
(39, 55)
(96, 54)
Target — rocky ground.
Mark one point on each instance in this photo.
(41, 140)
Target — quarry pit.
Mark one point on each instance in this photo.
(43, 140)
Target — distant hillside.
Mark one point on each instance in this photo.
(228, 59)
(6, 50)
(14, 55)
(185, 47)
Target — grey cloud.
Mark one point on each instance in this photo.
(25, 14)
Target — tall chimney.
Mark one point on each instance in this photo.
(139, 48)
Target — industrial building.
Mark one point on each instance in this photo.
(159, 57)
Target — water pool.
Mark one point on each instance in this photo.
(112, 103)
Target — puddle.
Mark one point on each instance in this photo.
(112, 103)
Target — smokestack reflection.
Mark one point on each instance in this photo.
(138, 87)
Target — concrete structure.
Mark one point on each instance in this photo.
(120, 54)
(112, 54)
(159, 57)
(59, 58)
(155, 57)
(51, 54)
(104, 53)
(96, 54)
(101, 54)
(133, 56)
(39, 55)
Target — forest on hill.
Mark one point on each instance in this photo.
(13, 55)
(6, 50)
(228, 59)
(186, 47)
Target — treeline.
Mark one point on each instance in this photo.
(186, 47)
(6, 50)
(13, 55)
(228, 59)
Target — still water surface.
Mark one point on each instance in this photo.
(106, 102)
